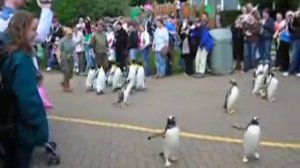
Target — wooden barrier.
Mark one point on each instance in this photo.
(188, 11)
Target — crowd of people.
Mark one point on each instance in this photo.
(259, 34)
(94, 44)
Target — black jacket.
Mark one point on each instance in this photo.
(133, 40)
(294, 28)
(121, 40)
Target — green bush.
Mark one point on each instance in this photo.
(228, 17)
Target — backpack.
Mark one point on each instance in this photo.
(8, 102)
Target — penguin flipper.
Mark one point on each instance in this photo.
(226, 97)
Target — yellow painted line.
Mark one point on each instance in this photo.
(183, 134)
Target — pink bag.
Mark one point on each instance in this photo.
(44, 96)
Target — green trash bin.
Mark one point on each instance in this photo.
(221, 60)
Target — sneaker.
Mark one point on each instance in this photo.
(298, 74)
(48, 69)
(286, 74)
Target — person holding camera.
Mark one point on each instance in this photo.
(294, 28)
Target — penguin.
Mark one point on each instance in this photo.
(267, 68)
(271, 87)
(251, 140)
(140, 83)
(131, 76)
(90, 79)
(100, 81)
(124, 94)
(111, 75)
(259, 68)
(171, 137)
(231, 98)
(116, 81)
(258, 83)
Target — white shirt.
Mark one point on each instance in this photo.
(161, 38)
(145, 39)
(43, 29)
(78, 39)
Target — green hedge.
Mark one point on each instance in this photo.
(228, 17)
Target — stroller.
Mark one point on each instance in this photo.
(53, 156)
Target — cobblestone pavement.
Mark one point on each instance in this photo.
(197, 104)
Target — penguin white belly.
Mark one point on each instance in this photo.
(251, 140)
(272, 88)
(89, 83)
(171, 142)
(232, 98)
(266, 69)
(117, 78)
(140, 78)
(260, 68)
(111, 75)
(132, 73)
(258, 83)
(127, 92)
(100, 81)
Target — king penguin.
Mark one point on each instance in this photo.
(90, 79)
(251, 140)
(140, 83)
(111, 75)
(117, 79)
(231, 98)
(100, 81)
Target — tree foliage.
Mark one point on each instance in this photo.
(280, 4)
(68, 10)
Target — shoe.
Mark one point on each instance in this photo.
(286, 74)
(48, 69)
(298, 75)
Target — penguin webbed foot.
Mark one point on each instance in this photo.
(256, 155)
(245, 159)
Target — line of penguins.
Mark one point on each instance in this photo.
(132, 77)
(265, 85)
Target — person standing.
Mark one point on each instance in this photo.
(121, 46)
(99, 44)
(294, 28)
(160, 46)
(133, 42)
(145, 49)
(282, 61)
(185, 46)
(205, 47)
(237, 43)
(78, 39)
(252, 35)
(66, 58)
(267, 28)
(31, 124)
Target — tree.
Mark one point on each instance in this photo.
(68, 10)
(280, 4)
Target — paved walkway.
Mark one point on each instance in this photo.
(197, 104)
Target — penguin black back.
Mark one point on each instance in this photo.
(171, 123)
(254, 121)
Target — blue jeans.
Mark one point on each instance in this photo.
(90, 61)
(146, 60)
(250, 60)
(160, 63)
(265, 47)
(295, 65)
(133, 53)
